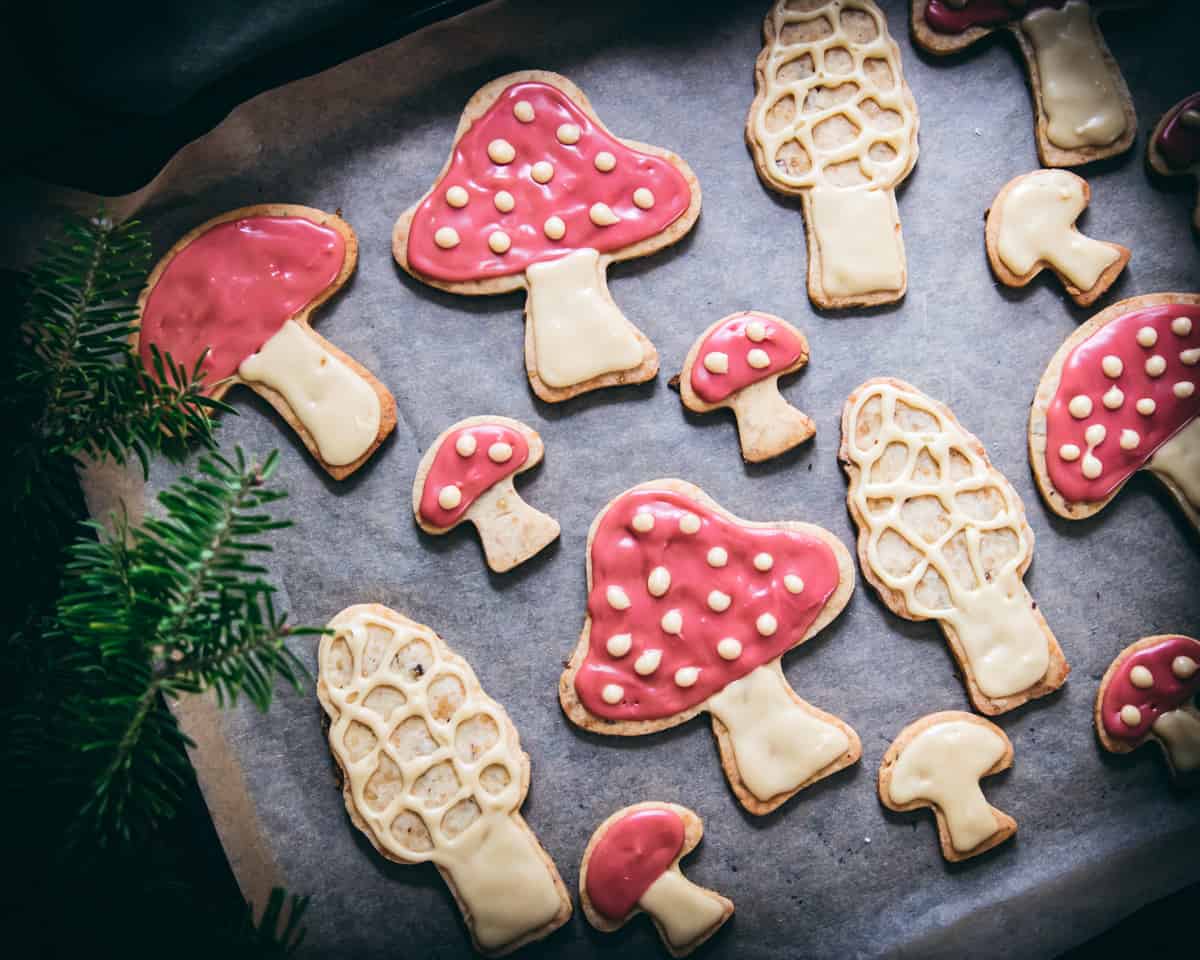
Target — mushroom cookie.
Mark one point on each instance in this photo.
(631, 866)
(736, 363)
(432, 771)
(937, 762)
(1082, 105)
(1121, 395)
(1031, 226)
(467, 476)
(1149, 694)
(537, 195)
(689, 610)
(233, 299)
(834, 123)
(1173, 149)
(942, 536)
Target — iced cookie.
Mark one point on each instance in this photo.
(1173, 149)
(1121, 395)
(466, 476)
(1149, 694)
(537, 195)
(1031, 227)
(834, 123)
(1083, 108)
(690, 610)
(942, 536)
(736, 364)
(937, 762)
(236, 295)
(432, 771)
(631, 866)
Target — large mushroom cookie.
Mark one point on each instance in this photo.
(1121, 395)
(467, 475)
(631, 866)
(432, 771)
(736, 364)
(938, 762)
(942, 536)
(834, 123)
(239, 292)
(538, 195)
(1173, 149)
(1083, 108)
(1149, 694)
(689, 610)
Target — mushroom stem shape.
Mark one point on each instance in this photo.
(1179, 732)
(509, 527)
(683, 910)
(1177, 464)
(767, 424)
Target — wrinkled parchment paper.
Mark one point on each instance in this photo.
(831, 874)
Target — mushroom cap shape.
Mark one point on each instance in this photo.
(736, 338)
(1177, 137)
(1167, 691)
(945, 17)
(470, 459)
(631, 854)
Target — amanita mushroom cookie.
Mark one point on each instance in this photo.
(1121, 395)
(689, 610)
(631, 866)
(236, 295)
(736, 364)
(1173, 149)
(466, 476)
(538, 195)
(432, 771)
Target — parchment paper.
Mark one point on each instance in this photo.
(831, 874)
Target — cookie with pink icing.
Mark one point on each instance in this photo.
(690, 610)
(538, 195)
(1173, 149)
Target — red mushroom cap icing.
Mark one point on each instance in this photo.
(734, 340)
(631, 855)
(944, 18)
(1168, 689)
(715, 593)
(1179, 140)
(576, 183)
(470, 460)
(233, 287)
(1139, 377)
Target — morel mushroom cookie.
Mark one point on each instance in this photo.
(690, 609)
(942, 536)
(1121, 395)
(834, 123)
(1083, 108)
(1149, 694)
(1031, 226)
(538, 195)
(736, 363)
(631, 866)
(432, 771)
(236, 296)
(1173, 149)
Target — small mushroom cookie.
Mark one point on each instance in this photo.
(236, 296)
(942, 536)
(1121, 395)
(467, 476)
(736, 363)
(689, 610)
(432, 771)
(1173, 149)
(1149, 694)
(1031, 226)
(538, 195)
(631, 866)
(937, 762)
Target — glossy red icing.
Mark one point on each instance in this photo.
(1179, 142)
(1167, 693)
(1082, 374)
(621, 556)
(234, 286)
(576, 185)
(980, 13)
(631, 855)
(780, 344)
(472, 475)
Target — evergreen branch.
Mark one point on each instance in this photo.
(267, 938)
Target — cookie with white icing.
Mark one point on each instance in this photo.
(432, 771)
(233, 300)
(538, 195)
(1173, 148)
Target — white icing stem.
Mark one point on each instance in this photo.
(1177, 464)
(510, 529)
(767, 424)
(857, 232)
(1178, 731)
(684, 911)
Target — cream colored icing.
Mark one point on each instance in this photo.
(578, 331)
(1179, 731)
(859, 236)
(338, 408)
(684, 911)
(1178, 461)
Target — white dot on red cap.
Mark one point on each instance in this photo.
(758, 358)
(1069, 452)
(501, 151)
(766, 624)
(1146, 406)
(718, 601)
(672, 622)
(567, 133)
(1183, 389)
(449, 497)
(554, 228)
(1156, 366)
(1113, 398)
(643, 522)
(643, 199)
(612, 693)
(1141, 677)
(500, 452)
(716, 362)
(763, 562)
(717, 557)
(504, 201)
(523, 111)
(1131, 716)
(499, 242)
(602, 216)
(617, 598)
(729, 649)
(648, 662)
(457, 197)
(793, 584)
(1112, 366)
(1184, 667)
(1129, 439)
(1189, 358)
(446, 238)
(619, 644)
(1181, 326)
(1080, 406)
(1147, 337)
(1092, 467)
(605, 161)
(659, 581)
(542, 171)
(756, 330)
(686, 676)
(689, 523)
(465, 445)
(1095, 434)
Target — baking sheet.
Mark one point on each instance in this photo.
(831, 874)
